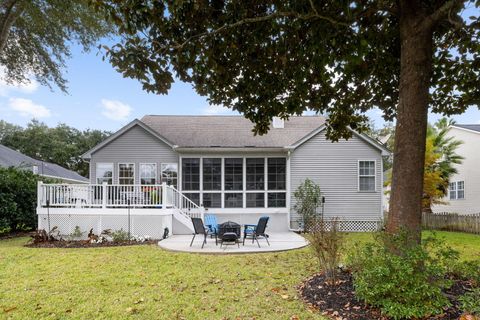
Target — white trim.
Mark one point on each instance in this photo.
(118, 168)
(63, 178)
(160, 170)
(157, 180)
(113, 171)
(456, 190)
(288, 203)
(374, 175)
(377, 145)
(465, 129)
(244, 190)
(381, 189)
(88, 154)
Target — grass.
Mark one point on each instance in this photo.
(143, 282)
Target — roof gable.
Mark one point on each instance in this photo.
(469, 127)
(136, 122)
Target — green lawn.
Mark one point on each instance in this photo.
(145, 282)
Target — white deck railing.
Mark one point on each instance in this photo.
(159, 196)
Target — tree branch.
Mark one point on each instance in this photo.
(8, 19)
(279, 14)
(441, 13)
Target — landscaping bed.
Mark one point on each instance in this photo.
(87, 244)
(340, 302)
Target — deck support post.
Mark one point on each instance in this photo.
(104, 195)
(164, 195)
(39, 194)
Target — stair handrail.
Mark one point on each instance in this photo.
(181, 202)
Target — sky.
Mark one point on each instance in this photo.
(100, 98)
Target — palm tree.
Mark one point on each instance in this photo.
(445, 147)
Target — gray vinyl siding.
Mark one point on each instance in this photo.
(134, 146)
(334, 167)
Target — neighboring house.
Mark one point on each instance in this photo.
(12, 158)
(464, 190)
(215, 164)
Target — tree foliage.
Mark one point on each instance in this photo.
(62, 144)
(269, 58)
(18, 199)
(35, 37)
(308, 198)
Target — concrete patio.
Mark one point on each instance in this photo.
(279, 241)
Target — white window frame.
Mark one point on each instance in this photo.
(140, 172)
(160, 177)
(134, 170)
(374, 174)
(455, 191)
(244, 190)
(113, 171)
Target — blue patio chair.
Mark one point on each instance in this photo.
(211, 223)
(256, 231)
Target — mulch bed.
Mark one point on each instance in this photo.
(340, 303)
(86, 244)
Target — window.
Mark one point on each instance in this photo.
(169, 174)
(457, 190)
(126, 173)
(233, 174)
(277, 173)
(212, 174)
(148, 173)
(366, 175)
(104, 173)
(256, 200)
(194, 197)
(233, 200)
(276, 200)
(212, 200)
(191, 174)
(255, 172)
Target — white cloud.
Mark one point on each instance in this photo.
(115, 110)
(30, 86)
(28, 108)
(215, 109)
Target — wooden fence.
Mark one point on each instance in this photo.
(452, 222)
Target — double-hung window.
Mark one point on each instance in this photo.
(148, 173)
(169, 174)
(457, 190)
(366, 175)
(126, 173)
(104, 173)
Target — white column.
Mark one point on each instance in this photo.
(39, 194)
(104, 195)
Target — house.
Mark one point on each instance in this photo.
(12, 158)
(464, 189)
(214, 164)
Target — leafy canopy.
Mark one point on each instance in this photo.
(35, 36)
(269, 58)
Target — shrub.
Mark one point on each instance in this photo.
(120, 235)
(468, 270)
(18, 199)
(308, 199)
(470, 302)
(327, 241)
(403, 280)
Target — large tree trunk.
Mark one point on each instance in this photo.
(412, 118)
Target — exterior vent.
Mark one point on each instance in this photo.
(278, 123)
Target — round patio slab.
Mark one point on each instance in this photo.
(279, 241)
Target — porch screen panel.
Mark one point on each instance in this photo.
(233, 200)
(256, 200)
(212, 174)
(212, 200)
(191, 174)
(277, 173)
(255, 174)
(233, 174)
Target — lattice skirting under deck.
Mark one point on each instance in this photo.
(140, 225)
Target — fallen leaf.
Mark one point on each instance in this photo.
(285, 296)
(9, 309)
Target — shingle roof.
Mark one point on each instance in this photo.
(474, 127)
(228, 131)
(12, 158)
